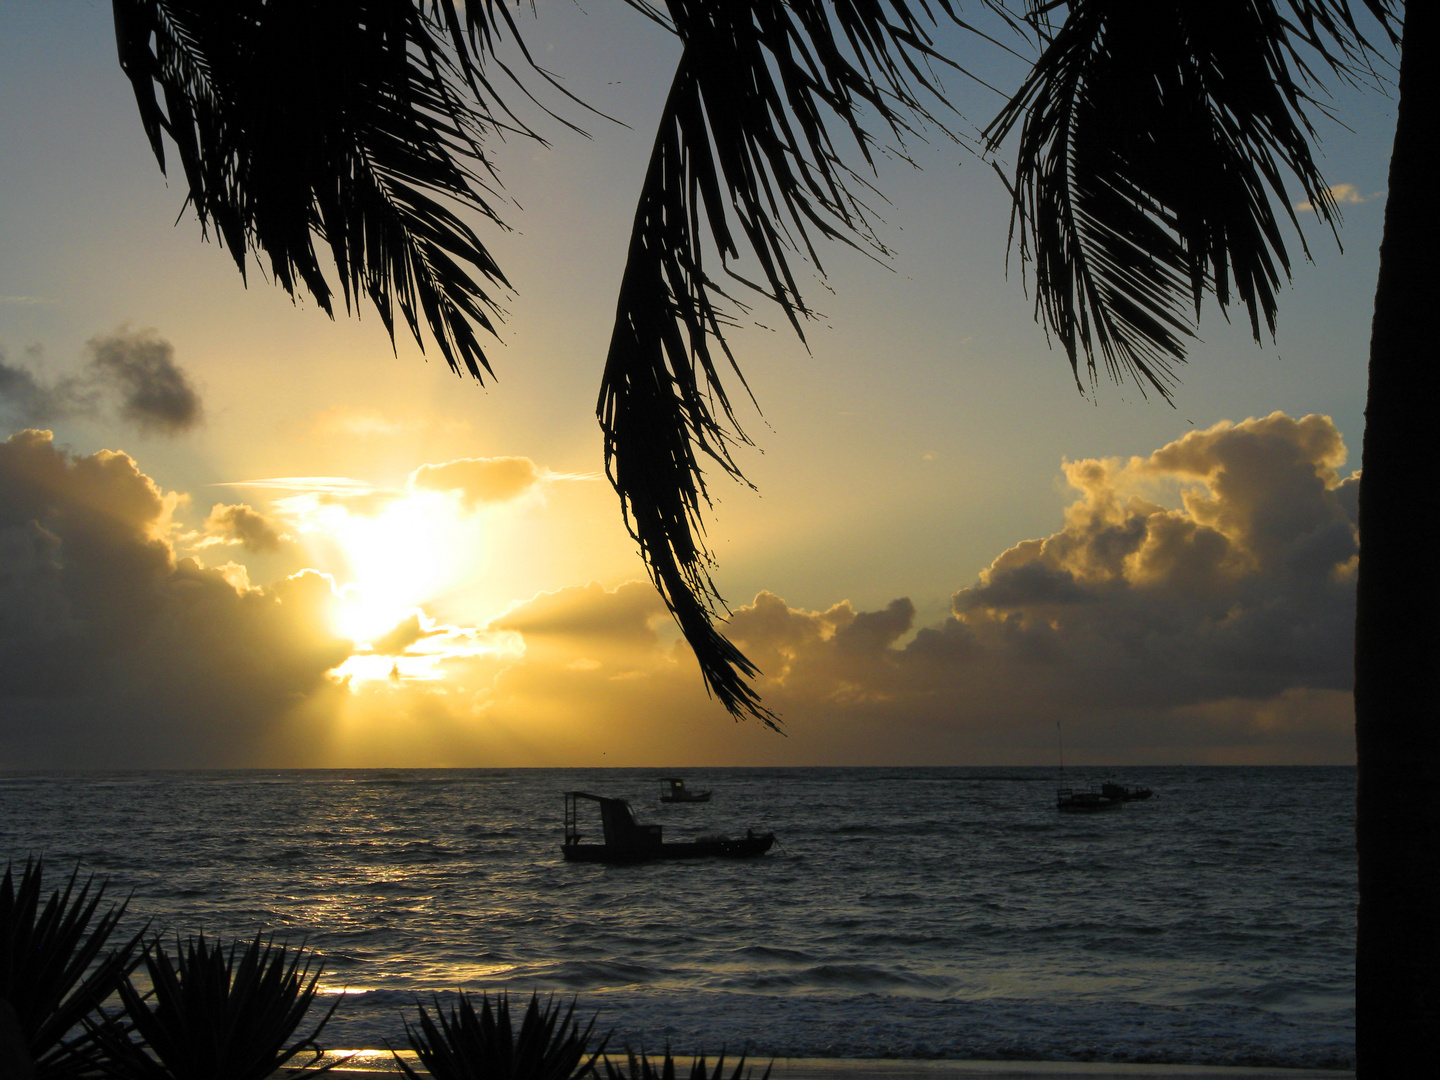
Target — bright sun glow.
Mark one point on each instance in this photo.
(390, 554)
(400, 558)
(395, 559)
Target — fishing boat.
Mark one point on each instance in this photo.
(1072, 800)
(627, 841)
(1123, 792)
(676, 792)
(1090, 799)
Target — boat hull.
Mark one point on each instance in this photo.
(745, 847)
(1076, 805)
(1070, 801)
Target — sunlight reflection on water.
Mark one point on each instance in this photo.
(927, 912)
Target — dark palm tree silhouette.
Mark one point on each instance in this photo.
(1154, 141)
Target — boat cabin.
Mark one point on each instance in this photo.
(675, 791)
(625, 840)
(621, 832)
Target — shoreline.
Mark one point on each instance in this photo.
(380, 1063)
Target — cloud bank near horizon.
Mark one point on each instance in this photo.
(1195, 605)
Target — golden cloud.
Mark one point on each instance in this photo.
(243, 525)
(479, 480)
(112, 650)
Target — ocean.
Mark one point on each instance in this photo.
(904, 913)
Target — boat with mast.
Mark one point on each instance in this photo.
(1070, 800)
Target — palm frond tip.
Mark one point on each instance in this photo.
(357, 122)
(745, 150)
(1155, 142)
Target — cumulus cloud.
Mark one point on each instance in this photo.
(1197, 604)
(1244, 593)
(112, 650)
(243, 525)
(133, 372)
(479, 480)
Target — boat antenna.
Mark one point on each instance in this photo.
(1059, 734)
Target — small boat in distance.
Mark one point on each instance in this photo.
(1105, 797)
(1124, 793)
(1091, 799)
(676, 792)
(627, 841)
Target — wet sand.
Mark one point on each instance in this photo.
(378, 1063)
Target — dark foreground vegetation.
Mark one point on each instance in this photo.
(78, 1002)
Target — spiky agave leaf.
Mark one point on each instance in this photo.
(357, 122)
(52, 972)
(1155, 142)
(466, 1044)
(213, 1013)
(745, 152)
(640, 1067)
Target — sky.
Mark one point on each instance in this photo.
(234, 532)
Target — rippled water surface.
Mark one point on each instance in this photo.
(905, 912)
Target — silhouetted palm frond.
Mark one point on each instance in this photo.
(213, 1013)
(469, 1045)
(1155, 140)
(355, 121)
(51, 969)
(745, 151)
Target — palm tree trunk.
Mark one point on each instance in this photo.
(1397, 648)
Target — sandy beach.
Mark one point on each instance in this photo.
(380, 1062)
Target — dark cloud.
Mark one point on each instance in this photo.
(26, 398)
(479, 480)
(244, 525)
(115, 652)
(1241, 598)
(133, 372)
(154, 392)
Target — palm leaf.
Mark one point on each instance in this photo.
(1155, 142)
(745, 152)
(52, 972)
(355, 122)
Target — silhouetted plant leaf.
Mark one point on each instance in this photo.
(213, 1013)
(640, 1067)
(1155, 142)
(745, 148)
(353, 121)
(463, 1044)
(51, 969)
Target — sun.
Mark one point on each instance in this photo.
(394, 559)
